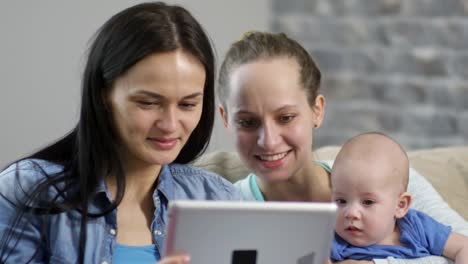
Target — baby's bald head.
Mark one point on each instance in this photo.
(378, 151)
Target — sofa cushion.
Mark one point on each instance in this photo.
(226, 164)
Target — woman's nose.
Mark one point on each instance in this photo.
(268, 137)
(168, 121)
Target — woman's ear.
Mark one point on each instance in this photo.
(404, 202)
(223, 114)
(319, 110)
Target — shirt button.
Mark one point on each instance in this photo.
(112, 232)
(157, 232)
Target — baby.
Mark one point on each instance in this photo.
(369, 180)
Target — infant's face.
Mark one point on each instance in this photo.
(367, 203)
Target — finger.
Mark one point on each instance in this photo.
(176, 259)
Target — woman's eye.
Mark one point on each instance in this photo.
(146, 103)
(247, 123)
(188, 105)
(287, 118)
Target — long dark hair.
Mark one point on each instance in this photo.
(90, 152)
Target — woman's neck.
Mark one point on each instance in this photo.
(311, 183)
(140, 181)
(136, 210)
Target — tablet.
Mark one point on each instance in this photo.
(251, 232)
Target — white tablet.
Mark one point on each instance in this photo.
(215, 232)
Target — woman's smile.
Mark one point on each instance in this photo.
(273, 160)
(163, 143)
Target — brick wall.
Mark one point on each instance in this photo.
(397, 66)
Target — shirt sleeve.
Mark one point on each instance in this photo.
(430, 234)
(21, 240)
(426, 199)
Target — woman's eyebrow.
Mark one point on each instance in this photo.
(197, 94)
(149, 94)
(158, 96)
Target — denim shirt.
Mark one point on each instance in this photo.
(56, 240)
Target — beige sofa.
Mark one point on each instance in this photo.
(446, 168)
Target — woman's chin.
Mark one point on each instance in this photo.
(273, 176)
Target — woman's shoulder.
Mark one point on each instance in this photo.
(249, 189)
(182, 170)
(202, 180)
(26, 173)
(33, 169)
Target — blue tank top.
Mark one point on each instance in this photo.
(134, 254)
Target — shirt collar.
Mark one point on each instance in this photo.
(165, 186)
(101, 186)
(166, 183)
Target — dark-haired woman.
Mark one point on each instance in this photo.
(100, 194)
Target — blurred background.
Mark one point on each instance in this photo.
(398, 66)
(42, 50)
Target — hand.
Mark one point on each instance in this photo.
(351, 261)
(179, 258)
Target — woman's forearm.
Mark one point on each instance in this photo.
(424, 260)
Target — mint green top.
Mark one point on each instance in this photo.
(251, 192)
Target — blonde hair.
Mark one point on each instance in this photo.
(255, 45)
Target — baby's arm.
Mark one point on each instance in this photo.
(456, 248)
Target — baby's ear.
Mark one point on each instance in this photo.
(404, 202)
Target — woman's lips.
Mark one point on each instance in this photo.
(163, 143)
(272, 160)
